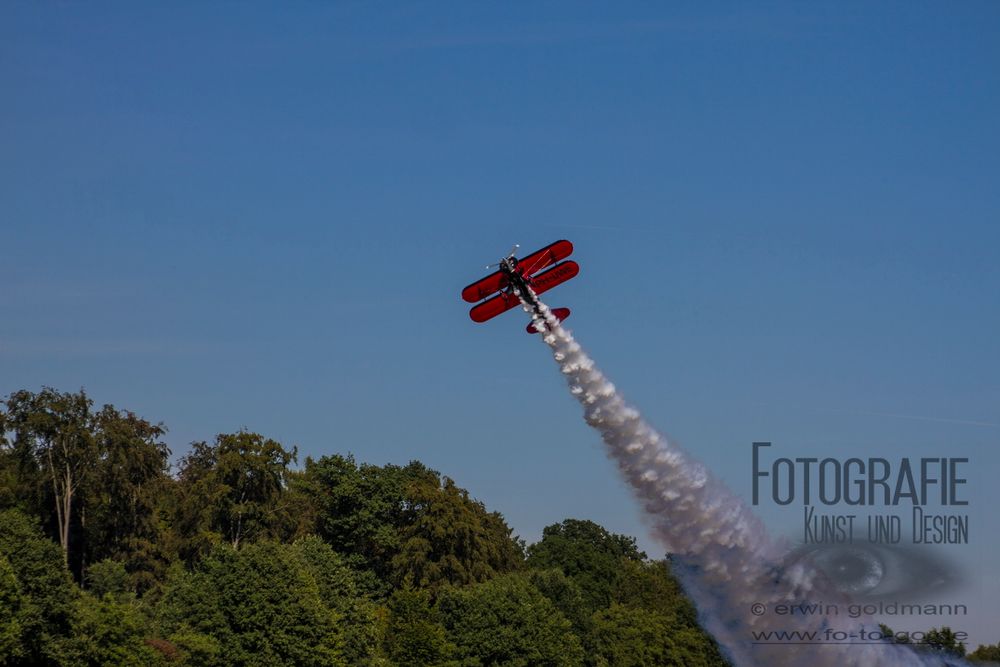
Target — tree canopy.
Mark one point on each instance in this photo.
(237, 557)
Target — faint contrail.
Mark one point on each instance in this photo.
(729, 566)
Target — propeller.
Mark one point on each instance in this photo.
(510, 254)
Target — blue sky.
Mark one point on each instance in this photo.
(786, 215)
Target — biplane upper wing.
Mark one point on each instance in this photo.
(490, 308)
(533, 263)
(547, 256)
(544, 281)
(481, 289)
(559, 273)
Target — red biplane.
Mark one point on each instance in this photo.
(518, 278)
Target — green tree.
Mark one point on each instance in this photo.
(943, 641)
(415, 636)
(407, 524)
(359, 509)
(985, 653)
(449, 538)
(107, 633)
(258, 605)
(54, 445)
(633, 636)
(651, 585)
(565, 594)
(11, 608)
(129, 478)
(47, 591)
(340, 592)
(189, 615)
(888, 634)
(107, 577)
(507, 621)
(586, 553)
(232, 491)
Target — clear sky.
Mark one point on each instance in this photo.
(787, 216)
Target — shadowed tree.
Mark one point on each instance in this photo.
(339, 591)
(55, 448)
(633, 636)
(359, 509)
(586, 553)
(985, 653)
(11, 609)
(46, 592)
(259, 605)
(408, 525)
(231, 491)
(414, 635)
(449, 538)
(944, 642)
(128, 480)
(506, 621)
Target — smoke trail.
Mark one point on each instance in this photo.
(729, 566)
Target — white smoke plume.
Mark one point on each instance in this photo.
(729, 566)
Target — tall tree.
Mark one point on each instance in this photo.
(359, 508)
(409, 525)
(985, 653)
(586, 553)
(506, 621)
(127, 480)
(53, 430)
(449, 538)
(231, 490)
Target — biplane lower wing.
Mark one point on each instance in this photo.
(490, 308)
(559, 273)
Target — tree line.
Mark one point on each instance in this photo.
(108, 556)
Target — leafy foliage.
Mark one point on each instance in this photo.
(106, 633)
(239, 559)
(11, 606)
(587, 554)
(448, 538)
(47, 593)
(415, 636)
(507, 621)
(408, 525)
(231, 490)
(986, 653)
(54, 448)
(260, 603)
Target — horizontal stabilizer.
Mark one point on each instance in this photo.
(559, 313)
